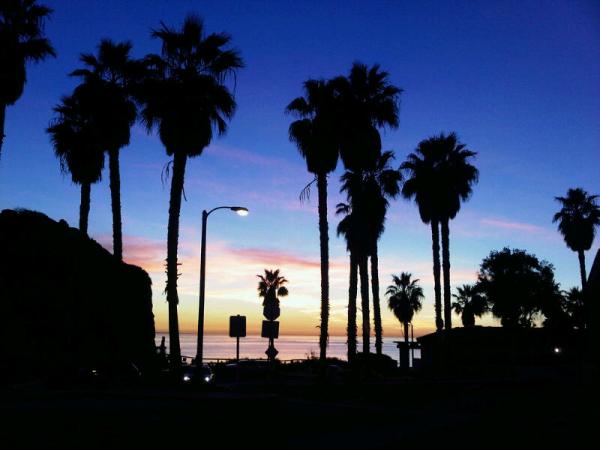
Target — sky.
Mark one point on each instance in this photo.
(518, 81)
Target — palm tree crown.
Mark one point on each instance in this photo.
(578, 218)
(404, 297)
(22, 40)
(469, 304)
(184, 96)
(577, 222)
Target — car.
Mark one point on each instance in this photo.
(194, 374)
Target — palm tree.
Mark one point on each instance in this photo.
(74, 138)
(110, 75)
(347, 228)
(456, 177)
(469, 304)
(441, 177)
(405, 298)
(367, 101)
(270, 288)
(577, 221)
(420, 186)
(21, 40)
(184, 97)
(315, 135)
(381, 184)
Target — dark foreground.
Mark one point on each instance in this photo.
(553, 411)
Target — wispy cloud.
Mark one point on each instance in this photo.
(512, 225)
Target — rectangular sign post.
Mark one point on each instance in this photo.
(237, 329)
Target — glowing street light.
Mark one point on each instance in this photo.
(239, 210)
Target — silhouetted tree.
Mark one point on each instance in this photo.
(75, 142)
(381, 184)
(567, 312)
(420, 185)
(315, 135)
(186, 100)
(270, 288)
(405, 298)
(367, 101)
(577, 221)
(517, 286)
(441, 178)
(22, 40)
(349, 230)
(469, 304)
(111, 75)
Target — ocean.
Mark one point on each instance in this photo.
(221, 346)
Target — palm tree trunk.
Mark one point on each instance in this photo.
(435, 237)
(446, 269)
(352, 294)
(324, 238)
(376, 302)
(406, 362)
(179, 161)
(84, 207)
(363, 268)
(2, 118)
(115, 197)
(582, 270)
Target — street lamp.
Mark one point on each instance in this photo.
(241, 211)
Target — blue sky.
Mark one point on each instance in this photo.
(518, 81)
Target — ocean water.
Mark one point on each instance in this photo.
(221, 346)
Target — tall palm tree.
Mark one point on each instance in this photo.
(441, 177)
(347, 228)
(456, 178)
(577, 221)
(381, 185)
(110, 75)
(185, 98)
(22, 40)
(74, 138)
(469, 304)
(405, 299)
(315, 135)
(420, 185)
(367, 101)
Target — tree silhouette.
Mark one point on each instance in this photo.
(22, 40)
(381, 184)
(75, 142)
(270, 288)
(184, 97)
(367, 101)
(315, 135)
(351, 233)
(441, 178)
(577, 221)
(517, 286)
(469, 304)
(111, 75)
(405, 298)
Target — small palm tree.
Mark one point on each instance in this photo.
(111, 76)
(270, 288)
(184, 97)
(469, 304)
(315, 135)
(577, 221)
(21, 40)
(74, 138)
(405, 299)
(348, 229)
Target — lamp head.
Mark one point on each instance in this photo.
(240, 210)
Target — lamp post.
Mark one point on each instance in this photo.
(240, 210)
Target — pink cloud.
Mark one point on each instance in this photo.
(277, 258)
(516, 226)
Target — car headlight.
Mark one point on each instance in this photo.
(186, 378)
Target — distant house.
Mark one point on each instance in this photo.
(487, 348)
